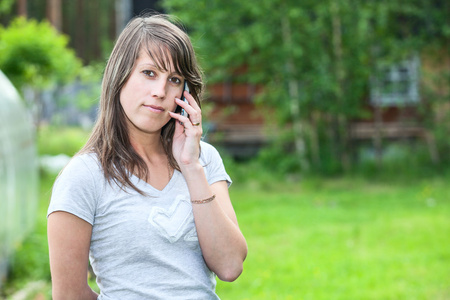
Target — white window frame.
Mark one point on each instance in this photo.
(397, 84)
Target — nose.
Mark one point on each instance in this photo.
(159, 88)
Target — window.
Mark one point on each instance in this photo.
(397, 84)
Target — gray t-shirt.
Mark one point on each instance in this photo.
(142, 247)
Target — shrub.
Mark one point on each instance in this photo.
(35, 54)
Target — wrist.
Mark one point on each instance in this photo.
(191, 168)
(203, 201)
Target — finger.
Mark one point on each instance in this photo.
(195, 115)
(185, 125)
(191, 100)
(183, 121)
(179, 117)
(179, 128)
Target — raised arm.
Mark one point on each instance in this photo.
(223, 246)
(68, 240)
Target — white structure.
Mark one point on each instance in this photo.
(18, 172)
(397, 85)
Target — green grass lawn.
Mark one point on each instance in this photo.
(322, 239)
(345, 238)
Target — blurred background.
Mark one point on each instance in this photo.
(333, 119)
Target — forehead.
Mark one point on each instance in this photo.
(158, 57)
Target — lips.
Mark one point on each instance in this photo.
(155, 108)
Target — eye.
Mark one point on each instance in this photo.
(149, 73)
(175, 80)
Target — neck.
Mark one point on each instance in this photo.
(151, 150)
(148, 145)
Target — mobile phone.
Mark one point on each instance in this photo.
(186, 88)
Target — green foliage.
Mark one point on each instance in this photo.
(91, 76)
(279, 156)
(436, 91)
(88, 93)
(5, 6)
(402, 160)
(34, 54)
(61, 140)
(327, 49)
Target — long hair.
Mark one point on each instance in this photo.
(165, 42)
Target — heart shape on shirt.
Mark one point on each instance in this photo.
(175, 222)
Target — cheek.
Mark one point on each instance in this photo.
(173, 107)
(125, 97)
(175, 93)
(122, 101)
(129, 91)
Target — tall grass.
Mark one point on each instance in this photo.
(310, 238)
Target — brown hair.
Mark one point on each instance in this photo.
(165, 42)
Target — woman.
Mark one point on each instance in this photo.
(145, 200)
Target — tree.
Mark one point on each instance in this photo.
(5, 6)
(314, 58)
(54, 13)
(33, 55)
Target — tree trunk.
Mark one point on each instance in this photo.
(315, 146)
(54, 13)
(79, 31)
(378, 136)
(22, 8)
(294, 95)
(112, 22)
(96, 31)
(341, 122)
(124, 11)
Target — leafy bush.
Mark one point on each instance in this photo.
(5, 6)
(35, 54)
(61, 140)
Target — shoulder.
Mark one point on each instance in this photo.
(213, 164)
(81, 169)
(84, 163)
(78, 188)
(208, 152)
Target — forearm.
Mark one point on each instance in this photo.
(223, 245)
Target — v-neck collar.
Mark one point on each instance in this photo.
(147, 187)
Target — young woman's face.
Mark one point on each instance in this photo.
(149, 94)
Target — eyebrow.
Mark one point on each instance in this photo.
(158, 68)
(148, 64)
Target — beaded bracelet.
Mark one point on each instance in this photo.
(207, 200)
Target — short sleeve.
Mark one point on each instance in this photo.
(75, 190)
(213, 164)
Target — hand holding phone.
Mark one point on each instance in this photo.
(186, 88)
